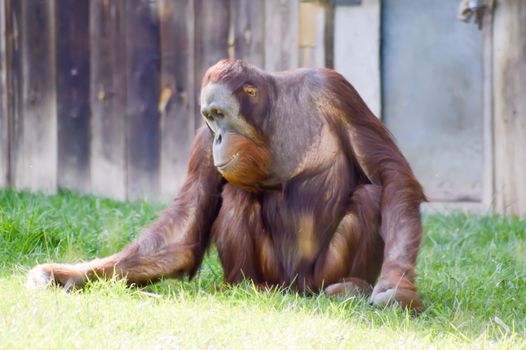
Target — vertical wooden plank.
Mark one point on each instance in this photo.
(108, 98)
(248, 26)
(328, 32)
(509, 70)
(312, 34)
(14, 77)
(142, 97)
(4, 116)
(35, 135)
(488, 187)
(211, 40)
(72, 58)
(176, 103)
(281, 34)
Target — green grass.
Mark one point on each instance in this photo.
(471, 274)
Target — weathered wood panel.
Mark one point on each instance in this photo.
(35, 134)
(14, 75)
(509, 72)
(142, 98)
(328, 33)
(176, 103)
(73, 102)
(248, 31)
(211, 40)
(4, 116)
(487, 109)
(108, 97)
(312, 34)
(103, 95)
(281, 34)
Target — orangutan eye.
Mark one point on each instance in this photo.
(250, 90)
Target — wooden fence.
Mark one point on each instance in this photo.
(101, 96)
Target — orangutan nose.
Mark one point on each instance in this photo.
(219, 139)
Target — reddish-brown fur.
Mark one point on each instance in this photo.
(250, 166)
(344, 216)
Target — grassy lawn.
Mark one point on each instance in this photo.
(471, 274)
